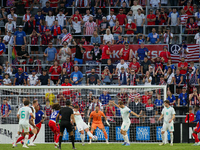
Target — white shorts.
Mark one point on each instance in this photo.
(168, 126)
(125, 126)
(24, 127)
(81, 126)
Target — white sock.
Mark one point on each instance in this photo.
(32, 138)
(90, 140)
(126, 138)
(16, 137)
(26, 139)
(163, 137)
(90, 134)
(171, 137)
(82, 137)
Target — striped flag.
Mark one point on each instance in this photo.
(14, 58)
(193, 54)
(67, 37)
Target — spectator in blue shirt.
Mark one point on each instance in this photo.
(46, 9)
(182, 98)
(19, 78)
(76, 76)
(5, 111)
(95, 38)
(171, 98)
(142, 52)
(50, 53)
(169, 65)
(158, 103)
(19, 38)
(2, 51)
(153, 37)
(104, 98)
(39, 17)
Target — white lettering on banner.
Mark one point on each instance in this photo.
(134, 54)
(143, 133)
(8, 132)
(87, 55)
(119, 135)
(115, 54)
(99, 134)
(154, 54)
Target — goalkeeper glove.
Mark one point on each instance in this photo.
(107, 123)
(88, 125)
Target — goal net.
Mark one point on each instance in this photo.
(144, 100)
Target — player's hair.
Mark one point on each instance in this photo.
(190, 108)
(76, 106)
(120, 103)
(68, 103)
(97, 105)
(56, 106)
(35, 101)
(26, 102)
(167, 101)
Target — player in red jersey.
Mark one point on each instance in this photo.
(126, 52)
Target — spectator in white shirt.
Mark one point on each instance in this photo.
(197, 38)
(8, 39)
(87, 16)
(135, 7)
(27, 16)
(12, 16)
(6, 80)
(8, 68)
(111, 18)
(32, 79)
(76, 25)
(147, 79)
(197, 17)
(50, 19)
(61, 18)
(139, 21)
(10, 26)
(119, 65)
(168, 36)
(108, 37)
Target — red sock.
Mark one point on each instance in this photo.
(92, 133)
(57, 138)
(195, 137)
(19, 139)
(105, 134)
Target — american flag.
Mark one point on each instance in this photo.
(67, 37)
(193, 54)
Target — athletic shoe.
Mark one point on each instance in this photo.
(14, 145)
(161, 144)
(90, 142)
(31, 144)
(198, 144)
(56, 144)
(73, 148)
(107, 142)
(24, 146)
(124, 143)
(22, 142)
(171, 144)
(127, 144)
(195, 144)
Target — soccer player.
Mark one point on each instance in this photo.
(81, 125)
(67, 115)
(197, 129)
(125, 113)
(97, 122)
(23, 116)
(52, 123)
(168, 113)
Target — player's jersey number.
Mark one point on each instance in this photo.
(22, 114)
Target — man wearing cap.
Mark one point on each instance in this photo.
(44, 78)
(87, 15)
(133, 78)
(121, 18)
(103, 26)
(46, 39)
(139, 19)
(39, 16)
(165, 55)
(19, 78)
(111, 18)
(151, 18)
(122, 77)
(32, 79)
(19, 38)
(130, 28)
(96, 52)
(126, 53)
(182, 66)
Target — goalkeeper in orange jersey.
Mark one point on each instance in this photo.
(97, 122)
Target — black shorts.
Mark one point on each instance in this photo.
(65, 125)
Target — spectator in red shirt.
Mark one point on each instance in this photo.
(110, 109)
(54, 3)
(151, 18)
(106, 53)
(121, 18)
(76, 15)
(67, 92)
(145, 97)
(130, 28)
(191, 116)
(163, 20)
(191, 28)
(189, 9)
(182, 66)
(165, 55)
(135, 66)
(55, 71)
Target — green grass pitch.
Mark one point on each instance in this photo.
(97, 146)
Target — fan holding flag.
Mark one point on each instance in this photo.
(2, 51)
(65, 36)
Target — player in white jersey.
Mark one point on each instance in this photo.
(81, 125)
(32, 79)
(33, 126)
(23, 115)
(168, 113)
(125, 113)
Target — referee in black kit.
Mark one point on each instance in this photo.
(67, 114)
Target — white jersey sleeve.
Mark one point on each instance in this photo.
(78, 117)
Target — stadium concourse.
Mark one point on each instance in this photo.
(104, 43)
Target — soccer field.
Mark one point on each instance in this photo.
(94, 146)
